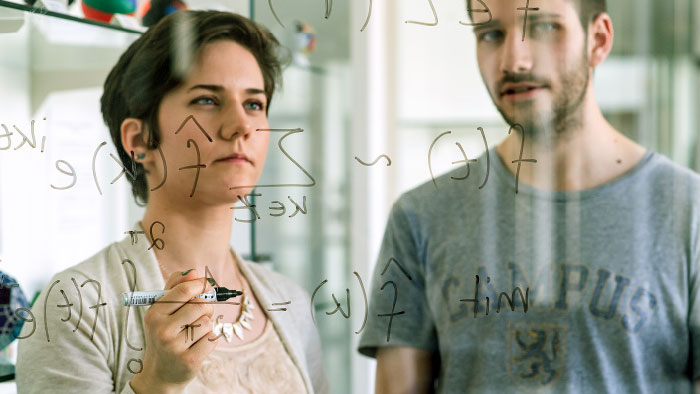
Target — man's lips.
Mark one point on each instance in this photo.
(520, 91)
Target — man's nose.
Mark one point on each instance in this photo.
(517, 56)
(235, 124)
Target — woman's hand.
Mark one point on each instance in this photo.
(177, 337)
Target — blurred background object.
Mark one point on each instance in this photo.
(12, 301)
(154, 10)
(303, 43)
(104, 10)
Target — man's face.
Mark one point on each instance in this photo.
(540, 82)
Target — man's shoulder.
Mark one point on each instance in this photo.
(665, 175)
(665, 166)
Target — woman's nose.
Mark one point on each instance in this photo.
(235, 124)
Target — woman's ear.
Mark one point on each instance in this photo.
(600, 38)
(134, 137)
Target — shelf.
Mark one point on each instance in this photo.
(43, 11)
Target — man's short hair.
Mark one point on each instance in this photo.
(588, 10)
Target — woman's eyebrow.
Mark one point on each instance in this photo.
(254, 91)
(214, 88)
(219, 88)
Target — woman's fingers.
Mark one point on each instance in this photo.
(191, 312)
(178, 277)
(198, 349)
(203, 346)
(196, 331)
(178, 327)
(182, 294)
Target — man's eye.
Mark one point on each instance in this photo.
(490, 36)
(544, 27)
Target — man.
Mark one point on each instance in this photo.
(574, 273)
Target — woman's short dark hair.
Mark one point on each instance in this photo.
(149, 69)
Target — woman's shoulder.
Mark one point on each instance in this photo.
(116, 265)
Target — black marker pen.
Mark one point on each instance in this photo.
(145, 298)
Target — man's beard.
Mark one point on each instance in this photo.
(566, 111)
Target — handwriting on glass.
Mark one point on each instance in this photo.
(485, 9)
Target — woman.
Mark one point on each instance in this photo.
(185, 106)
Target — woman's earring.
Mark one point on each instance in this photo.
(141, 156)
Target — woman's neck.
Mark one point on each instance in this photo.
(191, 238)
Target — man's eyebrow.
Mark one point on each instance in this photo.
(219, 88)
(534, 15)
(487, 25)
(531, 16)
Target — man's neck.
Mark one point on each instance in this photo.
(577, 160)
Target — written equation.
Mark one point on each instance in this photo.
(135, 365)
(276, 208)
(329, 7)
(466, 160)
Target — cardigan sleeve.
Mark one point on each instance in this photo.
(67, 344)
(312, 347)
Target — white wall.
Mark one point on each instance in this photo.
(43, 229)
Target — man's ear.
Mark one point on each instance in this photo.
(600, 39)
(134, 139)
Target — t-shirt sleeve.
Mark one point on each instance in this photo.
(399, 314)
(694, 299)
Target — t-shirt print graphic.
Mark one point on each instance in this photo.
(535, 357)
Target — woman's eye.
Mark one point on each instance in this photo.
(255, 105)
(204, 100)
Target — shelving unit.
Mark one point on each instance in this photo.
(42, 11)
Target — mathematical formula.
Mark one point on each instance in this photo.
(276, 208)
(29, 317)
(485, 9)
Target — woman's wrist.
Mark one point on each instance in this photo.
(140, 384)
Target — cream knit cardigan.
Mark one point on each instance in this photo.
(57, 358)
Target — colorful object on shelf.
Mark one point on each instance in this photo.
(154, 10)
(11, 298)
(104, 10)
(304, 43)
(32, 2)
(306, 38)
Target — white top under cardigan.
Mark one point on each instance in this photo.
(57, 359)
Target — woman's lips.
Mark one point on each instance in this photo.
(237, 158)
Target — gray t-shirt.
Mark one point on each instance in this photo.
(609, 276)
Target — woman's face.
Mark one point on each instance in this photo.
(224, 94)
